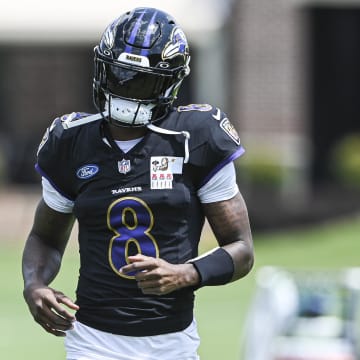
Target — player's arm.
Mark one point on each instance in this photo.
(230, 223)
(41, 262)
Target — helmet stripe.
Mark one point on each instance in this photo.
(134, 32)
(147, 39)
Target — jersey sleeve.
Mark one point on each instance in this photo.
(222, 186)
(214, 143)
(54, 199)
(54, 159)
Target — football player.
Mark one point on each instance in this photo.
(140, 177)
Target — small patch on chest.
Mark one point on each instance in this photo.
(162, 170)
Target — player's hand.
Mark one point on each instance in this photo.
(157, 276)
(46, 306)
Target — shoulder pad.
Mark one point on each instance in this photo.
(78, 118)
(210, 122)
(226, 125)
(57, 127)
(195, 107)
(73, 116)
(54, 130)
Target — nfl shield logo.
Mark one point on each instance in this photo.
(124, 166)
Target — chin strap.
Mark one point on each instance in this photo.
(186, 135)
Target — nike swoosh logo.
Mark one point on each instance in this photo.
(217, 116)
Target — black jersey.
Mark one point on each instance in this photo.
(143, 201)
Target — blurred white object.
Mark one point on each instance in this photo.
(304, 315)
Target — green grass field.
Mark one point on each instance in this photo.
(220, 311)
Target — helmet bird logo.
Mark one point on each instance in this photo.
(177, 45)
(109, 35)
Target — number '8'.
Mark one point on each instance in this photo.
(131, 220)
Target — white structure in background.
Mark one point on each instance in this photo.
(80, 20)
(304, 315)
(83, 21)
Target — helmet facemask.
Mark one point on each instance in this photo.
(130, 94)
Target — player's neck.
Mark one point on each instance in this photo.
(124, 133)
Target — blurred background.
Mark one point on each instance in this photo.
(287, 74)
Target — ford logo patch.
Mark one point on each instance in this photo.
(87, 171)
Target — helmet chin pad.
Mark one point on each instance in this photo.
(127, 112)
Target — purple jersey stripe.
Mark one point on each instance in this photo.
(134, 33)
(42, 173)
(219, 166)
(148, 35)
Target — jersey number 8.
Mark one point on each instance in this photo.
(131, 220)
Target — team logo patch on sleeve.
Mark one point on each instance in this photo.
(46, 135)
(163, 169)
(44, 139)
(230, 130)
